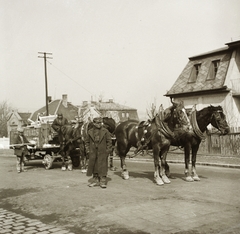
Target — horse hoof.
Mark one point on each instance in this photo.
(196, 178)
(165, 179)
(159, 181)
(113, 168)
(189, 179)
(63, 168)
(125, 175)
(84, 170)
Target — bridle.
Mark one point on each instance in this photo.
(216, 115)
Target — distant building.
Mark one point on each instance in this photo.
(212, 78)
(68, 110)
(17, 119)
(108, 109)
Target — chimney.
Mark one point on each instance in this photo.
(64, 100)
(49, 99)
(111, 100)
(84, 103)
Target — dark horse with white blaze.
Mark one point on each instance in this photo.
(153, 134)
(191, 140)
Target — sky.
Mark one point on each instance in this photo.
(131, 51)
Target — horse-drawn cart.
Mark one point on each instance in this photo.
(44, 144)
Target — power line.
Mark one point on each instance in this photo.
(71, 78)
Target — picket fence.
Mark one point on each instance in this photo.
(218, 145)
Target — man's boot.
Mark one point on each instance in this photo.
(103, 182)
(95, 181)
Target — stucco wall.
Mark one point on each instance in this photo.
(230, 105)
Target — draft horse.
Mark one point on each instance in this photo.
(72, 146)
(156, 135)
(191, 140)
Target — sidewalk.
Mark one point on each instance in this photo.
(205, 160)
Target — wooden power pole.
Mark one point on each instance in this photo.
(44, 56)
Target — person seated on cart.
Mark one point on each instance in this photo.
(20, 149)
(58, 125)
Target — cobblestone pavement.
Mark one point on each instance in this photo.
(12, 223)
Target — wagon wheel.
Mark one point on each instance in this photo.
(47, 161)
(75, 161)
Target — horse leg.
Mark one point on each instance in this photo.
(122, 150)
(63, 163)
(69, 163)
(83, 158)
(194, 157)
(112, 168)
(157, 178)
(187, 162)
(163, 157)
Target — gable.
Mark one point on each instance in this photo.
(25, 117)
(69, 112)
(184, 84)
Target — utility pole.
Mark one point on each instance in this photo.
(44, 56)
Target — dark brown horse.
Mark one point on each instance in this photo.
(191, 140)
(153, 134)
(72, 146)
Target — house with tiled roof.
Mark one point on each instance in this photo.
(68, 110)
(212, 78)
(17, 119)
(108, 109)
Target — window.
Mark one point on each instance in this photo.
(123, 114)
(213, 70)
(194, 73)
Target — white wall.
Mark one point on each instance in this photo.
(4, 143)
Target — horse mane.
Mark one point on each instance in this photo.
(109, 123)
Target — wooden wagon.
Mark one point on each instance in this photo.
(44, 144)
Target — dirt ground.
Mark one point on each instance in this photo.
(137, 205)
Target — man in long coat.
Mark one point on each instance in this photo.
(20, 149)
(98, 145)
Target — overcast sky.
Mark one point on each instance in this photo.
(129, 50)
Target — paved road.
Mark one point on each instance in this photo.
(41, 201)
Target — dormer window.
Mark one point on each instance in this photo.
(194, 73)
(213, 70)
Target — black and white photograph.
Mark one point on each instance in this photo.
(120, 116)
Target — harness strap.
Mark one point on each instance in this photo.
(196, 129)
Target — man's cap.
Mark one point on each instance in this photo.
(20, 129)
(97, 120)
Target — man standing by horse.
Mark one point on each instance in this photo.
(98, 145)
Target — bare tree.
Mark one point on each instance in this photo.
(5, 110)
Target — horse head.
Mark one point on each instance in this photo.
(218, 119)
(109, 124)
